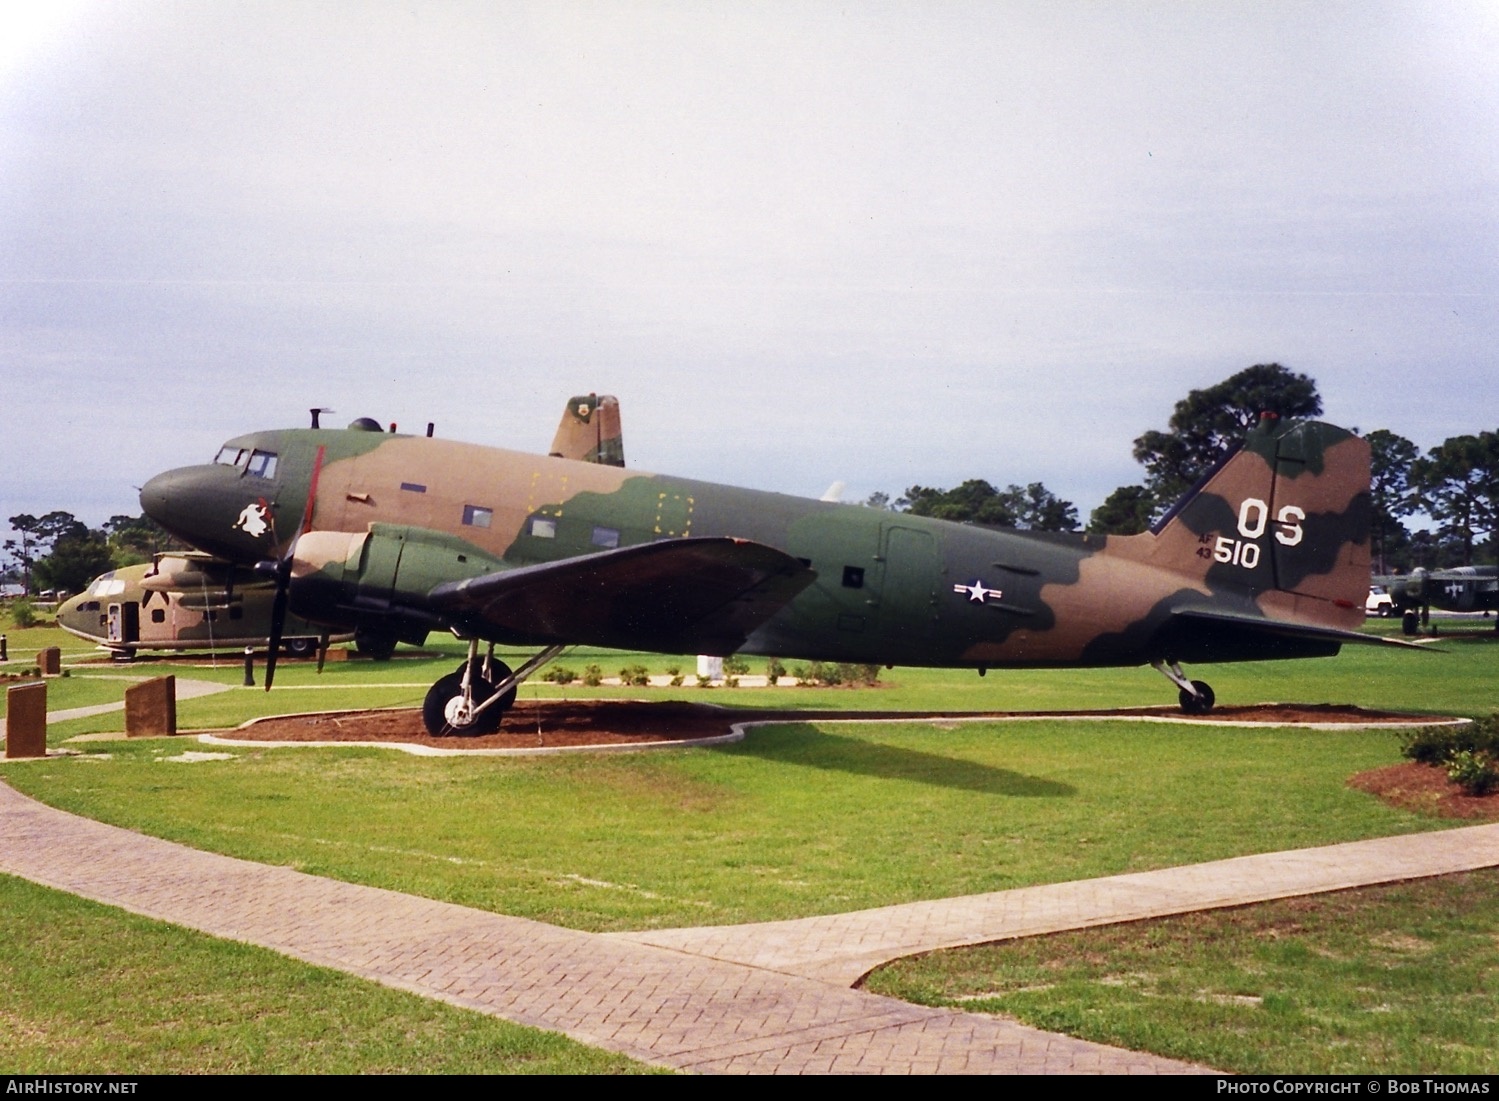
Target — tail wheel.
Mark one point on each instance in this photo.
(1201, 703)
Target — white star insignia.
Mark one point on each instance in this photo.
(977, 593)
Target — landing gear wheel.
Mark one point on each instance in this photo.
(1410, 623)
(1199, 704)
(443, 712)
(300, 647)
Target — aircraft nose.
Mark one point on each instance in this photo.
(154, 496)
(197, 504)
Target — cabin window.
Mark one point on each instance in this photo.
(413, 487)
(606, 537)
(544, 529)
(262, 464)
(91, 606)
(158, 615)
(853, 577)
(477, 517)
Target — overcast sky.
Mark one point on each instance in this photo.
(882, 243)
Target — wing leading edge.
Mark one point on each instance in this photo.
(700, 596)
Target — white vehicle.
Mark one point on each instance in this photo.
(1378, 602)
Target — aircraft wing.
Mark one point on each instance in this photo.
(701, 596)
(1248, 625)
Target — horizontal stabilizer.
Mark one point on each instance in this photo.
(700, 596)
(1279, 628)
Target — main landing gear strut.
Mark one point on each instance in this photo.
(474, 699)
(1196, 696)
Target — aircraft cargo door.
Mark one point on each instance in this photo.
(913, 583)
(125, 622)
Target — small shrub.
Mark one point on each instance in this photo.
(704, 682)
(735, 667)
(23, 614)
(635, 675)
(774, 671)
(1474, 772)
(802, 674)
(825, 675)
(561, 674)
(593, 676)
(1437, 745)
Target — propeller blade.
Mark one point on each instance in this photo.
(278, 622)
(283, 574)
(322, 653)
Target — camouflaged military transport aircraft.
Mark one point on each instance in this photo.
(1267, 557)
(188, 601)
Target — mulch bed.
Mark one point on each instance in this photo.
(541, 723)
(1425, 789)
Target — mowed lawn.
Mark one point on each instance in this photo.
(801, 819)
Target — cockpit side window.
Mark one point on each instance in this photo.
(232, 456)
(262, 464)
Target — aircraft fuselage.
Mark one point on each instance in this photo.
(890, 588)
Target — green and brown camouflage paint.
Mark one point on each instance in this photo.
(1276, 536)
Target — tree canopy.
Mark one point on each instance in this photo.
(1032, 507)
(1203, 427)
(1458, 483)
(1206, 423)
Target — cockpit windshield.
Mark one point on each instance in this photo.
(256, 463)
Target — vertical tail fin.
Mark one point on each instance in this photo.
(590, 431)
(1285, 519)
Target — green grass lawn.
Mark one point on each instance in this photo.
(800, 819)
(1397, 979)
(88, 989)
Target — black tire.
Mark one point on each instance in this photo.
(1385, 611)
(375, 645)
(299, 647)
(1410, 623)
(443, 693)
(1199, 704)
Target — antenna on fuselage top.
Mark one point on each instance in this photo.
(317, 413)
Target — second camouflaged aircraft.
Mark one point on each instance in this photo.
(1267, 558)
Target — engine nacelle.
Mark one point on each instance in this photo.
(379, 579)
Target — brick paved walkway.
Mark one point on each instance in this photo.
(842, 948)
(658, 1005)
(769, 998)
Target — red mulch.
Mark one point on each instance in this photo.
(534, 723)
(1425, 789)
